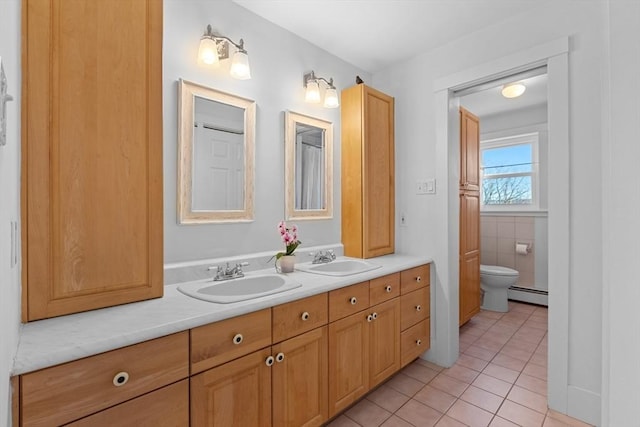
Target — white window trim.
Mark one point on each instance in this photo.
(527, 138)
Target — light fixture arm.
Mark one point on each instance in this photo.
(312, 77)
(218, 38)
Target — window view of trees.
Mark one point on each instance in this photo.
(507, 174)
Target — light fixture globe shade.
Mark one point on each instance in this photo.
(331, 98)
(240, 66)
(208, 52)
(312, 94)
(513, 90)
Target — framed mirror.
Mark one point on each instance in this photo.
(215, 155)
(308, 167)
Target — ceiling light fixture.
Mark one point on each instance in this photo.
(214, 47)
(513, 90)
(312, 93)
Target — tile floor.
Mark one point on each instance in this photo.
(499, 380)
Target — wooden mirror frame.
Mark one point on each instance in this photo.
(291, 212)
(187, 91)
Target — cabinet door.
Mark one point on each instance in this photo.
(469, 255)
(469, 151)
(348, 361)
(237, 393)
(378, 178)
(300, 382)
(91, 155)
(384, 341)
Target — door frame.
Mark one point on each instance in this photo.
(554, 55)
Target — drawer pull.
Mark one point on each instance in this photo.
(369, 318)
(279, 357)
(353, 300)
(388, 288)
(120, 379)
(305, 315)
(269, 361)
(419, 342)
(374, 315)
(418, 307)
(419, 279)
(238, 339)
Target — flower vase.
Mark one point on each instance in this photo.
(285, 264)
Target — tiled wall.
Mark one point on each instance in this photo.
(499, 235)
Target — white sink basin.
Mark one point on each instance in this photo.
(234, 290)
(339, 267)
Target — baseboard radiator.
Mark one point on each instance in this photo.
(530, 295)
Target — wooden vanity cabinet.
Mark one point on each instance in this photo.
(384, 341)
(368, 176)
(91, 155)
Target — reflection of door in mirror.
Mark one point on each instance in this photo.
(218, 156)
(309, 181)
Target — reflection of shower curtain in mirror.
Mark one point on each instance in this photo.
(310, 192)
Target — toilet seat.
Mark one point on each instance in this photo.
(496, 270)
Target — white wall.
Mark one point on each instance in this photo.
(278, 63)
(412, 83)
(621, 207)
(9, 200)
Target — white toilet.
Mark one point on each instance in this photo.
(494, 281)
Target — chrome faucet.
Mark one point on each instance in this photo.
(227, 272)
(322, 257)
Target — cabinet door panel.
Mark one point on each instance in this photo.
(384, 341)
(92, 155)
(235, 394)
(348, 361)
(300, 383)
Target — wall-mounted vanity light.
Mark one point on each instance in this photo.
(312, 94)
(214, 48)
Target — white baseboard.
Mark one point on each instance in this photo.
(584, 405)
(530, 297)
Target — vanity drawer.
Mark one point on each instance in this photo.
(414, 341)
(64, 393)
(300, 316)
(414, 307)
(220, 342)
(349, 300)
(384, 288)
(414, 278)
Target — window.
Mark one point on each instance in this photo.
(509, 173)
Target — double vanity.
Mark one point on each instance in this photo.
(285, 350)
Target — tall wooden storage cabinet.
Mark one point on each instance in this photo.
(91, 154)
(368, 180)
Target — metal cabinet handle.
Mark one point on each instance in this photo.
(369, 318)
(419, 279)
(353, 300)
(269, 361)
(419, 342)
(120, 379)
(238, 338)
(305, 315)
(418, 307)
(279, 357)
(388, 288)
(374, 315)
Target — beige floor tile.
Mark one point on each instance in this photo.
(533, 384)
(517, 353)
(566, 419)
(461, 373)
(404, 384)
(521, 344)
(388, 398)
(437, 399)
(535, 371)
(551, 422)
(449, 385)
(428, 364)
(483, 399)
(469, 414)
(490, 314)
(343, 421)
(395, 421)
(418, 414)
(539, 359)
(480, 353)
(520, 415)
(420, 373)
(493, 385)
(509, 362)
(502, 373)
(367, 413)
(447, 421)
(472, 362)
(527, 398)
(489, 344)
(501, 422)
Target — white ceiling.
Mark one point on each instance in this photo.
(373, 34)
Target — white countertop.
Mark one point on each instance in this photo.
(62, 339)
